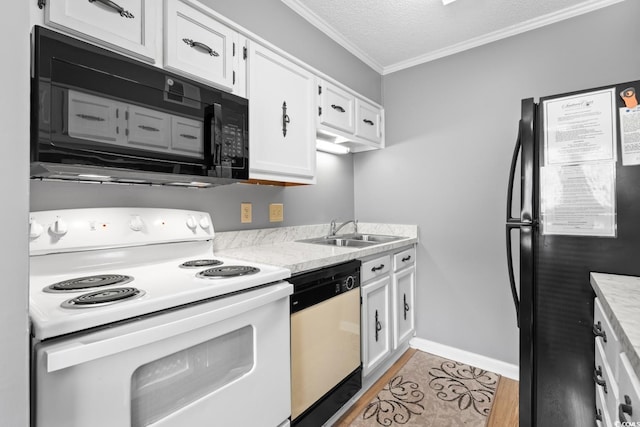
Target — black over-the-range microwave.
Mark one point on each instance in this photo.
(100, 116)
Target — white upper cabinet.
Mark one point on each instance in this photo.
(198, 45)
(337, 107)
(281, 118)
(127, 26)
(369, 122)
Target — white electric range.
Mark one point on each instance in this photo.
(138, 293)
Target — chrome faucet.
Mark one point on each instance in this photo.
(333, 229)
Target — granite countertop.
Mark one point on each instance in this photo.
(620, 298)
(280, 246)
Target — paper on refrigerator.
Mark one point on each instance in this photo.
(578, 199)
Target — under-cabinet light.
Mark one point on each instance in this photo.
(330, 147)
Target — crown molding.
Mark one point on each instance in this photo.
(331, 32)
(532, 24)
(504, 33)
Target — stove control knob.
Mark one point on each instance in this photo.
(136, 223)
(59, 228)
(35, 229)
(191, 222)
(204, 222)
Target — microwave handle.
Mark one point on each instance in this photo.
(82, 351)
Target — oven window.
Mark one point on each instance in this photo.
(163, 386)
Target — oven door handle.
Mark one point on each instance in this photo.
(86, 350)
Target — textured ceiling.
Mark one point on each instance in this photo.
(390, 35)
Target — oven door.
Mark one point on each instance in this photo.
(223, 362)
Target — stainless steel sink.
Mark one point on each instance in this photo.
(353, 240)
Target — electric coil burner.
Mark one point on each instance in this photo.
(102, 297)
(88, 282)
(197, 263)
(227, 271)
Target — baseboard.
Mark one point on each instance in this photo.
(499, 367)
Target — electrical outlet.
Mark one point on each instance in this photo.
(245, 213)
(276, 212)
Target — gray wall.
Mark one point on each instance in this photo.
(14, 190)
(450, 127)
(276, 23)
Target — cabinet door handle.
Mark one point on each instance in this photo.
(380, 267)
(338, 108)
(285, 119)
(367, 121)
(625, 408)
(407, 258)
(406, 306)
(149, 128)
(598, 332)
(187, 136)
(597, 378)
(90, 117)
(116, 7)
(378, 326)
(598, 415)
(203, 47)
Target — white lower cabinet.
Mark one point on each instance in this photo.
(388, 297)
(281, 119)
(616, 382)
(376, 322)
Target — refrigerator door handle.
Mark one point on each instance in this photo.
(513, 223)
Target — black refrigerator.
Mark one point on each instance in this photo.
(577, 169)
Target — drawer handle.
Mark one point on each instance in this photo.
(197, 45)
(599, 332)
(378, 326)
(367, 121)
(406, 306)
(116, 7)
(90, 117)
(338, 108)
(149, 128)
(625, 408)
(407, 258)
(598, 415)
(597, 378)
(187, 136)
(380, 267)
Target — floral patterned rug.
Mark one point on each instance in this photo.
(432, 391)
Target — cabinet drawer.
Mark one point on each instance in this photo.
(368, 121)
(375, 268)
(198, 45)
(338, 108)
(404, 259)
(606, 336)
(130, 29)
(604, 374)
(628, 394)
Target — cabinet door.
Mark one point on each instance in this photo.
(627, 410)
(198, 45)
(281, 119)
(368, 122)
(337, 108)
(403, 305)
(376, 324)
(127, 26)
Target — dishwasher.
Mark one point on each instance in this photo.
(326, 365)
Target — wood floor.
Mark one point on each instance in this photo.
(504, 412)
